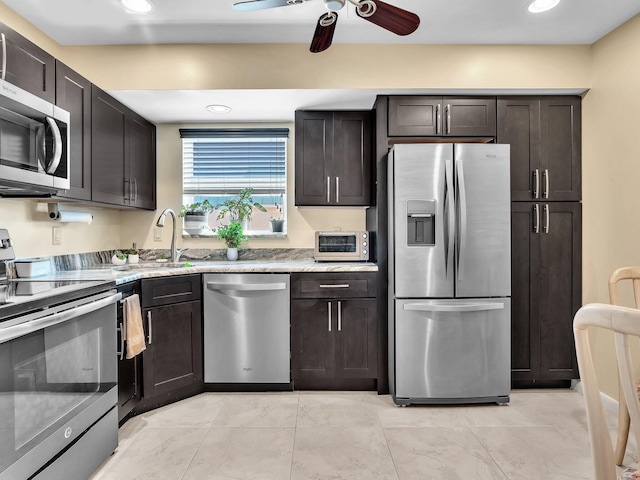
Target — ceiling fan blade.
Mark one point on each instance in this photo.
(394, 19)
(323, 35)
(253, 5)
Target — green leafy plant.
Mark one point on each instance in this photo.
(120, 255)
(161, 256)
(133, 250)
(232, 234)
(205, 206)
(239, 207)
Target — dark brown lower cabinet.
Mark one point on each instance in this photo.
(546, 254)
(333, 340)
(172, 364)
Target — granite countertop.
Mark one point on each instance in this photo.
(129, 273)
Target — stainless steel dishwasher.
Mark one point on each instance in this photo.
(246, 328)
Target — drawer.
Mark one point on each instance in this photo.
(169, 290)
(333, 285)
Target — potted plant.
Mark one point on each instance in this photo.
(119, 258)
(239, 208)
(196, 216)
(276, 224)
(233, 237)
(133, 254)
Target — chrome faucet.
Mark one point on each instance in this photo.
(160, 223)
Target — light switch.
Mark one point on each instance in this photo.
(56, 235)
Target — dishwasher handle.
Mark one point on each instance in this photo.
(247, 287)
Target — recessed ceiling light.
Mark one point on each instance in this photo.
(539, 6)
(218, 108)
(137, 6)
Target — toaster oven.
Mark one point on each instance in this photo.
(342, 246)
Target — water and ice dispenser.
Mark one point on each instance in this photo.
(421, 222)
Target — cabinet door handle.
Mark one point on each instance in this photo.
(337, 189)
(545, 174)
(546, 218)
(448, 118)
(339, 316)
(4, 55)
(135, 190)
(120, 329)
(150, 328)
(328, 189)
(127, 190)
(437, 118)
(329, 314)
(334, 285)
(536, 218)
(536, 183)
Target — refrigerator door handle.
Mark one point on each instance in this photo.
(450, 223)
(460, 307)
(462, 225)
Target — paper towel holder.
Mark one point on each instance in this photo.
(55, 213)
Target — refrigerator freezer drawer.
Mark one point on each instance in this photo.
(452, 351)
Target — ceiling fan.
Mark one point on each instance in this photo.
(389, 17)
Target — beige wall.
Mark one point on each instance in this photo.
(611, 174)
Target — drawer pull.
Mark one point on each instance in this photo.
(335, 285)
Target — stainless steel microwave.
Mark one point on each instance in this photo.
(342, 246)
(34, 144)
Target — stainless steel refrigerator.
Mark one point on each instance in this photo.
(449, 273)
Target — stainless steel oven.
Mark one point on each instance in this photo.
(58, 389)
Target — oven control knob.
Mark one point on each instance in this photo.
(364, 235)
(67, 432)
(364, 244)
(364, 252)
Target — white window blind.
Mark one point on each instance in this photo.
(225, 161)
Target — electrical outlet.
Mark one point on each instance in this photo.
(56, 235)
(157, 234)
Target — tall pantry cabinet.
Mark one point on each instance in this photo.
(546, 248)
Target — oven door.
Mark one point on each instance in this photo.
(58, 376)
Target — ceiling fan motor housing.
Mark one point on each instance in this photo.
(334, 5)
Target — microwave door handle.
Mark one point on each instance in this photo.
(52, 166)
(4, 55)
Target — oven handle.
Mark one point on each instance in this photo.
(15, 331)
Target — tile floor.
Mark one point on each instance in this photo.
(354, 435)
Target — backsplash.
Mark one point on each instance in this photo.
(82, 261)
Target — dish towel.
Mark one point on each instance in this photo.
(133, 330)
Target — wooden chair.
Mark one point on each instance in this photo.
(625, 323)
(632, 274)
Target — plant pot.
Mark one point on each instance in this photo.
(276, 225)
(117, 261)
(232, 254)
(133, 258)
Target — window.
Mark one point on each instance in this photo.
(218, 163)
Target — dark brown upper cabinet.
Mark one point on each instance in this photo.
(27, 65)
(545, 138)
(424, 116)
(123, 154)
(73, 94)
(333, 158)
